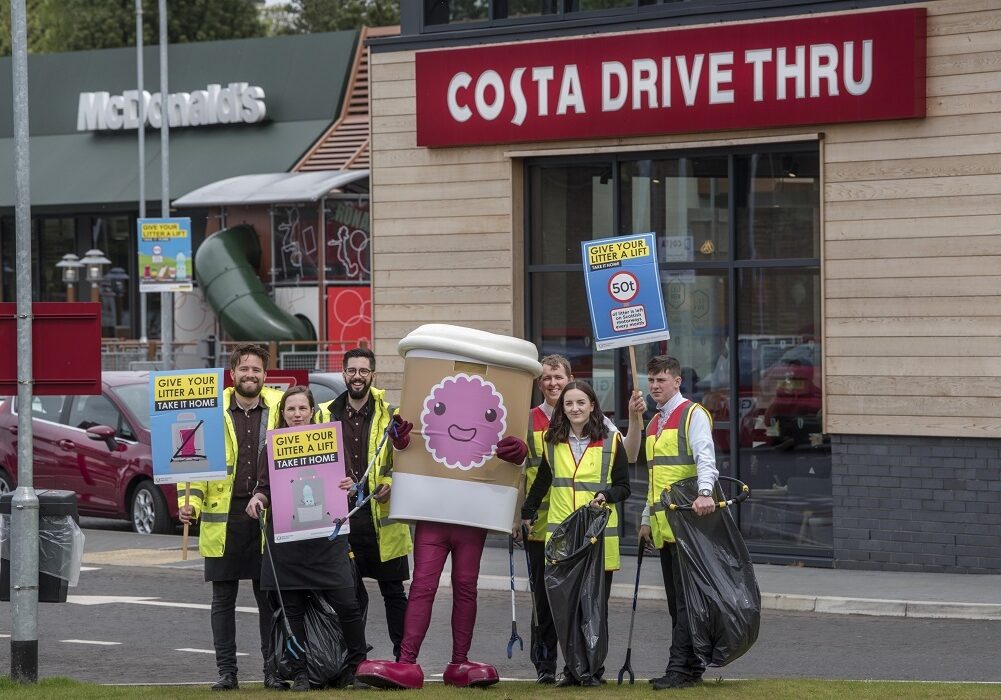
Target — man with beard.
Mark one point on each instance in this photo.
(380, 546)
(230, 540)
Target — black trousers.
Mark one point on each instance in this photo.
(683, 659)
(345, 604)
(395, 599)
(544, 641)
(224, 623)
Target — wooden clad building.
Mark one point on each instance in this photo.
(830, 249)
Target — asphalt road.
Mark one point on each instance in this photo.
(148, 643)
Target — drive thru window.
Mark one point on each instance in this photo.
(738, 241)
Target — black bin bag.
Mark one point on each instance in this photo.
(720, 589)
(325, 651)
(575, 582)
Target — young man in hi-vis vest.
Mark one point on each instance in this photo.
(679, 445)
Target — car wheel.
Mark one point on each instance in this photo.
(6, 483)
(149, 511)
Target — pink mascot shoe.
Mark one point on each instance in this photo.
(391, 675)
(470, 674)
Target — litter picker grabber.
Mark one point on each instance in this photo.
(744, 492)
(627, 667)
(531, 589)
(361, 499)
(514, 620)
(291, 642)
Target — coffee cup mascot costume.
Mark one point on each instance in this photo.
(467, 392)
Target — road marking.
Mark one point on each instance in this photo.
(90, 641)
(206, 651)
(140, 600)
(90, 568)
(4, 636)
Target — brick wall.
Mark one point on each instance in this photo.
(917, 504)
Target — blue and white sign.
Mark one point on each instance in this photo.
(623, 291)
(186, 426)
(165, 255)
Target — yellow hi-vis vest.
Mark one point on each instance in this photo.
(393, 537)
(211, 498)
(536, 444)
(575, 485)
(669, 459)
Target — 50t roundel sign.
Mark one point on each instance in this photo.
(623, 286)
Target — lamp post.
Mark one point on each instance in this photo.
(70, 266)
(94, 261)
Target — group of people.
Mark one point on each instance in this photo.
(574, 457)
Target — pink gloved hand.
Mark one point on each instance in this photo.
(512, 449)
(399, 432)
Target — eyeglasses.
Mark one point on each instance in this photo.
(354, 371)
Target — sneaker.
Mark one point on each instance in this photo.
(273, 682)
(674, 680)
(301, 683)
(546, 678)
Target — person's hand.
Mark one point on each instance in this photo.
(527, 523)
(516, 534)
(646, 535)
(347, 484)
(512, 449)
(599, 501)
(257, 503)
(399, 432)
(186, 514)
(382, 493)
(637, 405)
(704, 505)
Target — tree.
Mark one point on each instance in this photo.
(77, 25)
(311, 16)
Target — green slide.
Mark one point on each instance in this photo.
(226, 269)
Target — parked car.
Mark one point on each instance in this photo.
(326, 386)
(97, 446)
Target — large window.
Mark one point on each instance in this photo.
(738, 242)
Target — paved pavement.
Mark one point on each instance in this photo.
(791, 588)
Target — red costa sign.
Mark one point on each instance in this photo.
(845, 68)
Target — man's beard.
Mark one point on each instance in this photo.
(253, 394)
(357, 394)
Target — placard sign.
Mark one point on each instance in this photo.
(306, 465)
(186, 426)
(623, 291)
(165, 255)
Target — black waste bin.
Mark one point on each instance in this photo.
(51, 504)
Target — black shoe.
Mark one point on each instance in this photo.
(566, 680)
(274, 683)
(546, 678)
(301, 682)
(359, 685)
(592, 682)
(227, 681)
(675, 680)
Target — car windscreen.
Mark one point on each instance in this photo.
(136, 399)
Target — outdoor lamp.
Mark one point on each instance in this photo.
(95, 261)
(70, 266)
(118, 277)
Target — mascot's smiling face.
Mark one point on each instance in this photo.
(462, 421)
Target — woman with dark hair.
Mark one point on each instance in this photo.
(582, 464)
(316, 566)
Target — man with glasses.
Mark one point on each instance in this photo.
(380, 546)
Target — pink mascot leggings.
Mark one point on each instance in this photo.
(432, 544)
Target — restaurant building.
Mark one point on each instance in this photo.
(824, 182)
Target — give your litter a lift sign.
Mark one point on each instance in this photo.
(623, 291)
(306, 466)
(186, 426)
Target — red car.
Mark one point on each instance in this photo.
(97, 446)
